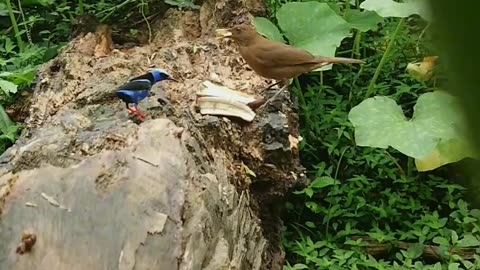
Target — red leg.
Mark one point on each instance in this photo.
(140, 115)
(132, 111)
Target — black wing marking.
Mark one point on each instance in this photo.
(146, 76)
(138, 85)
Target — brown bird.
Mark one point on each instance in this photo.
(275, 60)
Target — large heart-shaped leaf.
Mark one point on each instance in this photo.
(447, 151)
(267, 29)
(390, 8)
(313, 26)
(380, 122)
(363, 20)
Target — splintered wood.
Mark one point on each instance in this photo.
(215, 99)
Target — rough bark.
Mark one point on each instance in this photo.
(101, 192)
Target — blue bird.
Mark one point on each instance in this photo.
(138, 88)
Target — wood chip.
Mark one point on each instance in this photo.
(54, 202)
(29, 204)
(158, 223)
(50, 199)
(221, 106)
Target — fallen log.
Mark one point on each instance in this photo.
(86, 188)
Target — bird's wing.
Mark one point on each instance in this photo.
(279, 54)
(146, 76)
(136, 85)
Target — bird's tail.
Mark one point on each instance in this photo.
(338, 60)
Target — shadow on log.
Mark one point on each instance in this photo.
(101, 192)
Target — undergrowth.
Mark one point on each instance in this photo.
(368, 208)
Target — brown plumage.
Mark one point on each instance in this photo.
(275, 60)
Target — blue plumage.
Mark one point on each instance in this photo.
(138, 88)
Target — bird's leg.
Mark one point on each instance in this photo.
(140, 115)
(285, 86)
(271, 86)
(131, 111)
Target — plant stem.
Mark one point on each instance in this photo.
(303, 106)
(385, 56)
(112, 10)
(396, 163)
(142, 6)
(80, 7)
(356, 45)
(409, 166)
(15, 26)
(27, 30)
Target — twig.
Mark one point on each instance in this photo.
(429, 251)
(146, 161)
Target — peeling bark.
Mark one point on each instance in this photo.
(171, 193)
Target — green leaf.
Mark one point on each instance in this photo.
(441, 241)
(313, 26)
(453, 266)
(300, 266)
(310, 224)
(8, 87)
(267, 29)
(415, 251)
(468, 240)
(390, 8)
(380, 122)
(454, 237)
(322, 182)
(3, 10)
(9, 46)
(447, 151)
(362, 20)
(309, 192)
(182, 3)
(37, 2)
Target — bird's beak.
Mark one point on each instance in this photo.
(223, 33)
(172, 79)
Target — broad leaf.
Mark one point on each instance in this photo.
(37, 2)
(267, 29)
(8, 87)
(322, 182)
(469, 240)
(390, 8)
(313, 26)
(441, 241)
(447, 151)
(3, 10)
(7, 127)
(453, 266)
(363, 20)
(380, 122)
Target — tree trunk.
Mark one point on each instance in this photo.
(101, 192)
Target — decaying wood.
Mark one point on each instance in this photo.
(101, 192)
